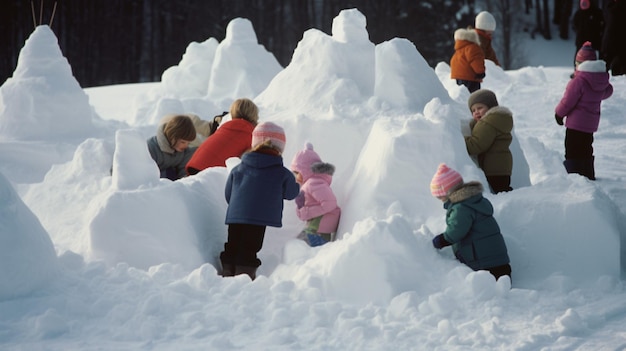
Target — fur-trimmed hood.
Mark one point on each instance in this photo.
(467, 35)
(500, 118)
(164, 144)
(466, 191)
(594, 73)
(323, 168)
(592, 66)
(470, 195)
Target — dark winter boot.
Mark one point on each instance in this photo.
(583, 167)
(591, 171)
(228, 269)
(571, 166)
(249, 270)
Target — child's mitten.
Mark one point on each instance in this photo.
(440, 242)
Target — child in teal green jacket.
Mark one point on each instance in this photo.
(470, 227)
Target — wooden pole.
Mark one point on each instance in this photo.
(54, 9)
(32, 9)
(41, 13)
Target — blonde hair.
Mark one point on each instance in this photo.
(245, 109)
(179, 128)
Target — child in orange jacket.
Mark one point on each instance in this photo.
(467, 65)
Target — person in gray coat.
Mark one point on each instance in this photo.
(170, 149)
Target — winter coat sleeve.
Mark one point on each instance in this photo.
(459, 221)
(202, 127)
(607, 92)
(476, 59)
(324, 201)
(573, 92)
(182, 172)
(291, 188)
(229, 187)
(483, 136)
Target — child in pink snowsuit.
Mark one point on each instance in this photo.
(317, 204)
(580, 106)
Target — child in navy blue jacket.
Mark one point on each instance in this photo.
(255, 191)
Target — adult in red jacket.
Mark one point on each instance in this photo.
(231, 139)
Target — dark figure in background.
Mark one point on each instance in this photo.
(588, 24)
(613, 50)
(562, 12)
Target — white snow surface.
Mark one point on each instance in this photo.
(98, 253)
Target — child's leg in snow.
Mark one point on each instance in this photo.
(310, 234)
(244, 241)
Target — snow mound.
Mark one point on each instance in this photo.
(43, 98)
(26, 252)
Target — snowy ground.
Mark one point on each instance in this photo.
(96, 260)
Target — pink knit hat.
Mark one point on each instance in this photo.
(445, 181)
(586, 53)
(269, 131)
(584, 4)
(303, 160)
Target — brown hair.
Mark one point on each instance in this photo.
(245, 109)
(265, 147)
(179, 128)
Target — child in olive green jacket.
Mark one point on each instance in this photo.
(491, 138)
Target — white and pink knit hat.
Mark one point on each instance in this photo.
(445, 181)
(269, 131)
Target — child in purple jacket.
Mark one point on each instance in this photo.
(581, 107)
(316, 202)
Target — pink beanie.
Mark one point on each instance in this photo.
(586, 53)
(584, 4)
(269, 131)
(303, 160)
(445, 181)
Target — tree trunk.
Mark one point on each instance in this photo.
(546, 20)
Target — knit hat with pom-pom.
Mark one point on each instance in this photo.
(445, 181)
(303, 160)
(269, 131)
(586, 53)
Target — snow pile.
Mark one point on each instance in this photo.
(43, 98)
(26, 252)
(211, 76)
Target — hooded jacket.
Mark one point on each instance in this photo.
(471, 229)
(490, 141)
(583, 95)
(231, 139)
(468, 60)
(165, 156)
(319, 199)
(485, 44)
(255, 190)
